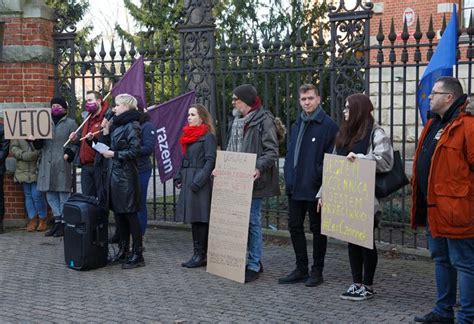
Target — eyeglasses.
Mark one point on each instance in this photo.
(437, 92)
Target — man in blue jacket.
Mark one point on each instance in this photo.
(311, 136)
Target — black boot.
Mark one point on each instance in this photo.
(199, 259)
(60, 230)
(135, 260)
(1, 227)
(54, 228)
(122, 254)
(193, 258)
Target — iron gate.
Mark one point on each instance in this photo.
(338, 63)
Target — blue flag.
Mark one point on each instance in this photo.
(441, 64)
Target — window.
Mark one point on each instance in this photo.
(467, 11)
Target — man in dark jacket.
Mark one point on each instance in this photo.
(4, 144)
(311, 136)
(253, 131)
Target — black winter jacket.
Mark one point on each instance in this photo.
(122, 173)
(303, 181)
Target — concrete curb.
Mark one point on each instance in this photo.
(283, 237)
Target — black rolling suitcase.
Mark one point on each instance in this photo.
(85, 233)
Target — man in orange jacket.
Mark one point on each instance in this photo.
(443, 198)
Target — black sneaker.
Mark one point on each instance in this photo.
(295, 276)
(351, 292)
(362, 293)
(433, 318)
(251, 275)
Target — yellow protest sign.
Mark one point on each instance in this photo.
(348, 200)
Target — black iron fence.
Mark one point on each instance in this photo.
(337, 56)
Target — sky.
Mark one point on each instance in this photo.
(104, 14)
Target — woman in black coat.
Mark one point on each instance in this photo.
(194, 179)
(122, 134)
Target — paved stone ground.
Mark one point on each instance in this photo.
(36, 286)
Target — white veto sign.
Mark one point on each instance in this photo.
(348, 200)
(230, 213)
(20, 123)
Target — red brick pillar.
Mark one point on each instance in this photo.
(26, 76)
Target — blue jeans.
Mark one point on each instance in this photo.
(143, 213)
(35, 201)
(56, 200)
(454, 258)
(255, 241)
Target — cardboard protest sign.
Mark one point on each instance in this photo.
(348, 200)
(20, 123)
(230, 213)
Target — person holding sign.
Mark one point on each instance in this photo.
(253, 130)
(96, 109)
(122, 135)
(360, 137)
(443, 198)
(55, 169)
(194, 179)
(311, 136)
(26, 173)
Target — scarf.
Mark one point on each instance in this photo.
(305, 120)
(191, 134)
(237, 132)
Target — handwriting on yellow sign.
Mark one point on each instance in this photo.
(344, 229)
(347, 210)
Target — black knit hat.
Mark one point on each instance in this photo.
(60, 101)
(247, 93)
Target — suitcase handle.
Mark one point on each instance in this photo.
(98, 240)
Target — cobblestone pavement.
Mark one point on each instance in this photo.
(36, 286)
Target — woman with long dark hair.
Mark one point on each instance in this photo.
(194, 179)
(360, 137)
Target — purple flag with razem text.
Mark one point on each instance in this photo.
(133, 83)
(169, 119)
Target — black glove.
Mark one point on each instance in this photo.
(70, 153)
(177, 183)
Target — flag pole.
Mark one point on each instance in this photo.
(85, 120)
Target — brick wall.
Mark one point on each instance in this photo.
(26, 77)
(395, 9)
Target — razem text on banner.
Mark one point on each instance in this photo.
(20, 123)
(348, 200)
(230, 214)
(169, 118)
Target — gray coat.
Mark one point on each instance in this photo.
(261, 138)
(55, 174)
(194, 204)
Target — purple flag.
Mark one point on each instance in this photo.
(169, 119)
(133, 83)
